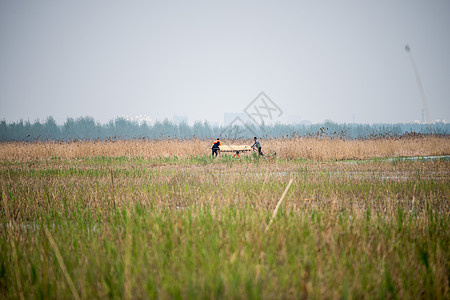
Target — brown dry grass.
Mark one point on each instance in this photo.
(308, 148)
(337, 149)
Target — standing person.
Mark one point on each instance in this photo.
(257, 145)
(215, 147)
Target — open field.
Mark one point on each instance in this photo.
(144, 219)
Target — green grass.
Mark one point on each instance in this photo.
(195, 228)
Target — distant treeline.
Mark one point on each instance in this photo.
(86, 128)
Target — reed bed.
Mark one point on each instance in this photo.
(307, 148)
(339, 149)
(143, 226)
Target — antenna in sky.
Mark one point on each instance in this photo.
(419, 83)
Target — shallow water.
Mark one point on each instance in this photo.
(416, 158)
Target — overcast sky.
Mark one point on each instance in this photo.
(317, 60)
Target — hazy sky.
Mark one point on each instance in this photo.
(337, 60)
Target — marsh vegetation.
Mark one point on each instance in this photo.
(162, 219)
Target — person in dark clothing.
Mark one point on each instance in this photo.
(215, 147)
(257, 145)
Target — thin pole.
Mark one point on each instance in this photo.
(421, 89)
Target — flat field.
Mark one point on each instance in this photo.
(162, 219)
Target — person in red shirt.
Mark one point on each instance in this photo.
(215, 147)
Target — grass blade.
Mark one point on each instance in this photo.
(61, 264)
(279, 203)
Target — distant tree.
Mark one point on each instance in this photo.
(51, 131)
(37, 130)
(184, 130)
(120, 128)
(86, 128)
(170, 130)
(202, 130)
(16, 131)
(69, 129)
(142, 131)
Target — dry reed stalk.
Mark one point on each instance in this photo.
(278, 204)
(127, 259)
(61, 264)
(13, 245)
(112, 187)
